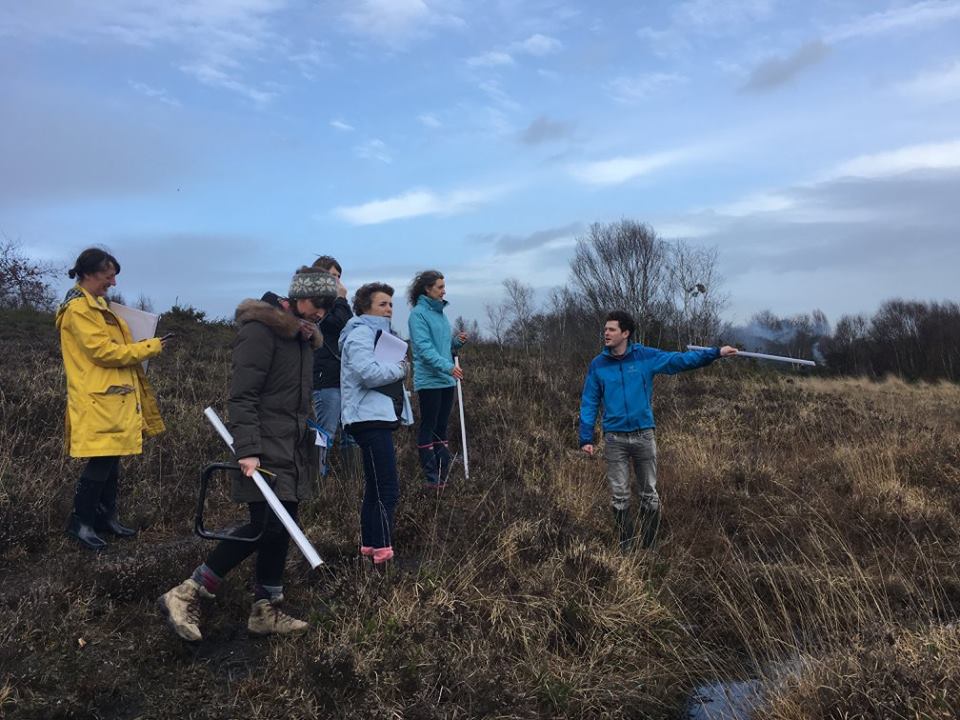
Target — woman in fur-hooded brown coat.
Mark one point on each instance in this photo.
(271, 398)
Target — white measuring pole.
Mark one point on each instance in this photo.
(761, 356)
(309, 552)
(463, 425)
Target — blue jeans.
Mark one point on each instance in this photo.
(326, 404)
(381, 487)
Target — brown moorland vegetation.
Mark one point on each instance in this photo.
(810, 540)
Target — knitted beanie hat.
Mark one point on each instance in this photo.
(311, 282)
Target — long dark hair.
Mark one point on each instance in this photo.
(363, 298)
(92, 261)
(421, 281)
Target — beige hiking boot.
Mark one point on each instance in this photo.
(266, 618)
(181, 605)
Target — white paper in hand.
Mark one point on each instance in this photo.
(142, 324)
(390, 349)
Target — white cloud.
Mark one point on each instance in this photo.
(635, 89)
(756, 204)
(158, 94)
(498, 95)
(621, 169)
(416, 203)
(396, 22)
(211, 75)
(494, 58)
(339, 124)
(937, 85)
(929, 156)
(429, 120)
(215, 37)
(719, 16)
(921, 14)
(374, 149)
(538, 45)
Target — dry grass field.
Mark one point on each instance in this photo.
(810, 541)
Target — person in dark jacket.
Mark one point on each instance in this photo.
(268, 408)
(326, 374)
(621, 380)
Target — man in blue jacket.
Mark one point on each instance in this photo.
(621, 379)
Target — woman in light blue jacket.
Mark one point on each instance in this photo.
(435, 374)
(372, 404)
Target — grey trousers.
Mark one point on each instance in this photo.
(638, 448)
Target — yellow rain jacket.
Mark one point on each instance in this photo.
(110, 404)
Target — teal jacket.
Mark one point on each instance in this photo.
(433, 344)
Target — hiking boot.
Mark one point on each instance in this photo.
(85, 534)
(266, 618)
(181, 605)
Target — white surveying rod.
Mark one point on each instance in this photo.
(761, 356)
(463, 425)
(309, 552)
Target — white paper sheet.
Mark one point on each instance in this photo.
(142, 324)
(390, 349)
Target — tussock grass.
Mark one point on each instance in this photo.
(809, 539)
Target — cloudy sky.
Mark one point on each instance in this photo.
(214, 145)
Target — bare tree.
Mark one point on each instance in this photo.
(694, 294)
(144, 303)
(24, 283)
(519, 304)
(470, 327)
(622, 265)
(498, 316)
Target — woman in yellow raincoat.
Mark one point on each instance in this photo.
(110, 404)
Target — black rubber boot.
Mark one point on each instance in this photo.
(114, 527)
(624, 529)
(649, 521)
(85, 534)
(441, 454)
(428, 463)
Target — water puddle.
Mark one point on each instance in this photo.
(725, 701)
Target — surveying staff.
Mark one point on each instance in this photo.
(374, 403)
(326, 372)
(110, 404)
(435, 373)
(621, 379)
(268, 408)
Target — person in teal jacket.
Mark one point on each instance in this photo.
(435, 374)
(620, 379)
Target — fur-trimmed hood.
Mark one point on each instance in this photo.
(283, 324)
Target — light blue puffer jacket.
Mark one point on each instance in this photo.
(360, 372)
(433, 343)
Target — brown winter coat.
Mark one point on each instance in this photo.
(271, 400)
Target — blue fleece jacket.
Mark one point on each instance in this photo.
(433, 344)
(624, 386)
(360, 372)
